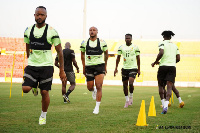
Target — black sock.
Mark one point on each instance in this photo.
(68, 92)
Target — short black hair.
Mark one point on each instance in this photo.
(128, 35)
(41, 7)
(167, 33)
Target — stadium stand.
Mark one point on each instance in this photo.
(188, 69)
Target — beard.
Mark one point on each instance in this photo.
(92, 35)
(40, 22)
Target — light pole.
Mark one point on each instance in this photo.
(84, 19)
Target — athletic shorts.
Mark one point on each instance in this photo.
(92, 71)
(126, 73)
(70, 76)
(166, 73)
(40, 77)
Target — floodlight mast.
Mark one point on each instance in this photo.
(84, 19)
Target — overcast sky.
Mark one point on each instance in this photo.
(113, 18)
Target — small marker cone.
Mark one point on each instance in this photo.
(152, 109)
(141, 120)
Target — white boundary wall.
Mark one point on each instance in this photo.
(119, 82)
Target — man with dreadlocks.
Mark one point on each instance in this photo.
(168, 55)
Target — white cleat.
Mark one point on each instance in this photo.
(96, 111)
(42, 121)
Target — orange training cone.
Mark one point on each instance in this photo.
(141, 120)
(152, 109)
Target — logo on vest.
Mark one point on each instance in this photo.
(37, 43)
(93, 51)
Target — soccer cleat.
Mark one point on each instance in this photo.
(35, 91)
(42, 120)
(130, 100)
(96, 111)
(164, 111)
(66, 98)
(94, 93)
(65, 101)
(126, 104)
(181, 104)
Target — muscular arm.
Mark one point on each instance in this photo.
(138, 64)
(83, 61)
(117, 63)
(178, 58)
(27, 50)
(75, 64)
(61, 62)
(106, 59)
(159, 56)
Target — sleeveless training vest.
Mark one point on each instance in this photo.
(93, 51)
(39, 43)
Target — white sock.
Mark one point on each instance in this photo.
(43, 114)
(97, 105)
(166, 104)
(163, 101)
(179, 99)
(127, 98)
(131, 95)
(95, 89)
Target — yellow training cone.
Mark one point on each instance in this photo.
(141, 120)
(152, 109)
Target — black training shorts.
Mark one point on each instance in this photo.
(166, 73)
(126, 73)
(38, 75)
(92, 71)
(70, 76)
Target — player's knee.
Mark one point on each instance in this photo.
(99, 86)
(26, 89)
(44, 92)
(73, 84)
(169, 83)
(90, 88)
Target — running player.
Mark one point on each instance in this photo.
(131, 67)
(94, 64)
(39, 38)
(69, 58)
(169, 56)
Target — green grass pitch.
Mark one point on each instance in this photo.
(21, 114)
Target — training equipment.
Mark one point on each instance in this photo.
(141, 120)
(152, 109)
(35, 91)
(164, 111)
(181, 104)
(66, 98)
(42, 120)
